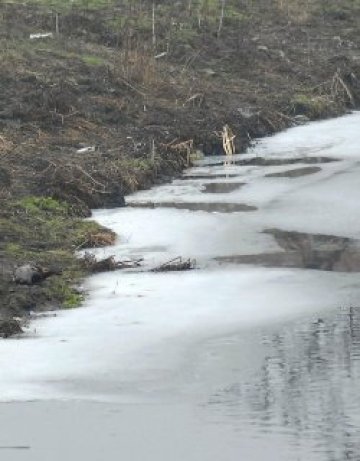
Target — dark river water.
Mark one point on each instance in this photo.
(304, 390)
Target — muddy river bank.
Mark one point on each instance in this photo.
(253, 355)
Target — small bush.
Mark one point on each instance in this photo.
(312, 106)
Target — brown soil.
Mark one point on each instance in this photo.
(101, 109)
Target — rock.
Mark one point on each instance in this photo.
(9, 327)
(263, 48)
(26, 274)
(29, 274)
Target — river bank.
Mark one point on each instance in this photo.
(257, 358)
(99, 109)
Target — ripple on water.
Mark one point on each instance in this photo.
(304, 389)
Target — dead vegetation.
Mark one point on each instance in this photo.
(111, 78)
(175, 265)
(98, 239)
(94, 265)
(110, 263)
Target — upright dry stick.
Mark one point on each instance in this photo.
(228, 143)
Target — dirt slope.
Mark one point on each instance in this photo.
(114, 101)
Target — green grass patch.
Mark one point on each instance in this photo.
(313, 107)
(92, 60)
(43, 204)
(60, 289)
(43, 231)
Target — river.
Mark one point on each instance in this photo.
(254, 355)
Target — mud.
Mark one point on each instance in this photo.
(306, 251)
(263, 161)
(208, 176)
(199, 206)
(295, 173)
(221, 187)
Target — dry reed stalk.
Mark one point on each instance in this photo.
(228, 143)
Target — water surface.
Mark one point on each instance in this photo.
(254, 355)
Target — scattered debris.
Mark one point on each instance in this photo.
(108, 264)
(44, 35)
(161, 55)
(85, 150)
(176, 264)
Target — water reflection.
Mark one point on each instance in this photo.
(303, 250)
(297, 173)
(307, 388)
(221, 207)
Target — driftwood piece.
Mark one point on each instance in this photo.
(176, 264)
(108, 264)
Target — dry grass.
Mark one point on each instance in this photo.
(137, 66)
(99, 239)
(5, 145)
(298, 11)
